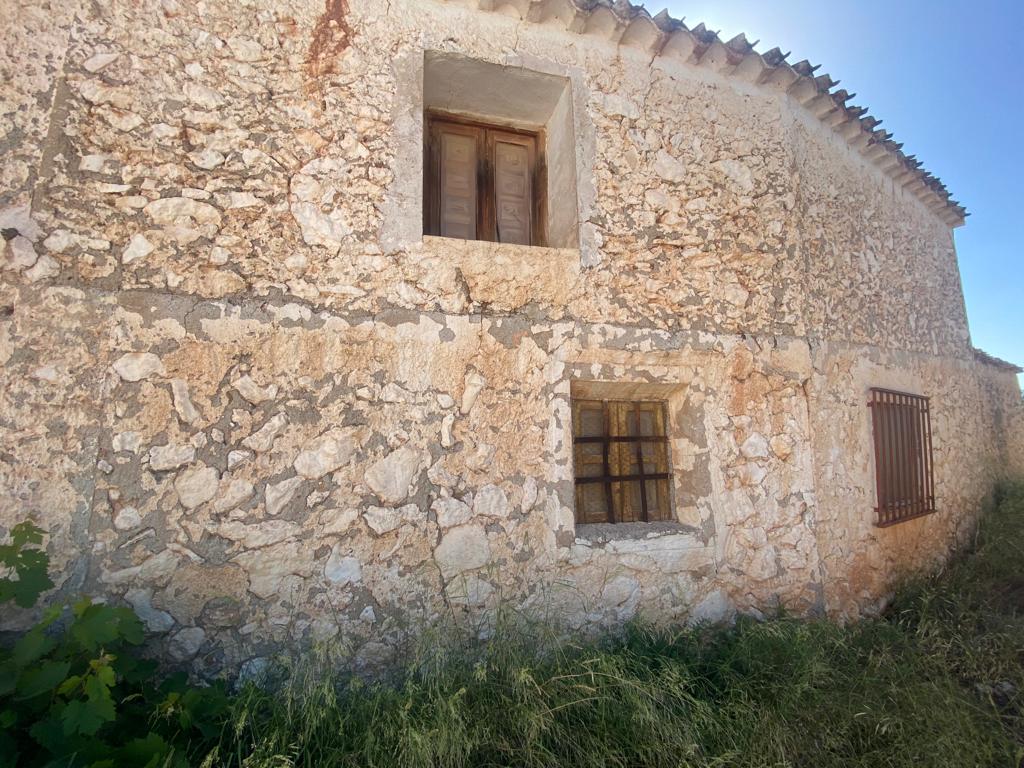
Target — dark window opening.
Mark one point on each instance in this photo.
(621, 460)
(483, 182)
(904, 467)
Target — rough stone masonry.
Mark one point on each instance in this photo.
(246, 396)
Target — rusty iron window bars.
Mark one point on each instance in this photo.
(621, 461)
(904, 465)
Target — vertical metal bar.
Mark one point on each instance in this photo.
(876, 432)
(609, 497)
(883, 447)
(894, 462)
(890, 458)
(904, 460)
(886, 451)
(901, 464)
(914, 414)
(920, 423)
(931, 456)
(908, 463)
(640, 463)
(912, 432)
(894, 413)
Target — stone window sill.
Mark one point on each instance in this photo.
(507, 277)
(602, 533)
(432, 242)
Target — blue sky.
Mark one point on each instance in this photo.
(947, 78)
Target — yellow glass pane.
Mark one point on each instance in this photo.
(655, 457)
(589, 459)
(626, 496)
(652, 419)
(621, 458)
(658, 506)
(591, 503)
(588, 418)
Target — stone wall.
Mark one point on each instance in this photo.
(246, 396)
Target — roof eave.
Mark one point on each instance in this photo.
(624, 24)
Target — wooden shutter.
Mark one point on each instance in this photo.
(513, 158)
(482, 183)
(454, 164)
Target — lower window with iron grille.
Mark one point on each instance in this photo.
(622, 464)
(904, 467)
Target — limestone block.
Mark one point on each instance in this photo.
(620, 590)
(755, 447)
(325, 454)
(154, 619)
(21, 254)
(668, 167)
(463, 548)
(183, 402)
(270, 567)
(391, 477)
(262, 440)
(166, 457)
(186, 643)
(127, 519)
(252, 392)
(341, 570)
(474, 384)
(169, 210)
(232, 492)
(386, 519)
(98, 61)
(278, 495)
(469, 590)
(451, 512)
(491, 501)
(196, 485)
(138, 247)
(136, 366)
(259, 535)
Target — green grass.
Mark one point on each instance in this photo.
(937, 681)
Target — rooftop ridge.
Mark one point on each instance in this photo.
(996, 362)
(623, 23)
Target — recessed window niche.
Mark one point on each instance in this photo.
(533, 106)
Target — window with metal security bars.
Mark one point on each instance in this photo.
(621, 461)
(904, 468)
(483, 182)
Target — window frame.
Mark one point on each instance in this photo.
(904, 456)
(609, 479)
(487, 134)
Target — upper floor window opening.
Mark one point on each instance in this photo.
(501, 154)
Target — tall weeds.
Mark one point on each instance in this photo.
(935, 682)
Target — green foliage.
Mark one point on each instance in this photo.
(27, 563)
(75, 692)
(938, 681)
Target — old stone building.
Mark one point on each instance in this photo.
(329, 321)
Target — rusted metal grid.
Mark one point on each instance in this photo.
(904, 467)
(623, 451)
